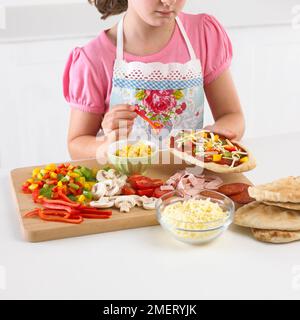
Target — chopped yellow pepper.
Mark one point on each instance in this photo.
(81, 198)
(217, 157)
(216, 138)
(35, 172)
(33, 186)
(59, 184)
(53, 175)
(50, 167)
(73, 174)
(244, 159)
(209, 145)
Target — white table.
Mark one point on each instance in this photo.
(146, 263)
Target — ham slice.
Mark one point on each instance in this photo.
(191, 181)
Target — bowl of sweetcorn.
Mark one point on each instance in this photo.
(132, 156)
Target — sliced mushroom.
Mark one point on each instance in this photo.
(149, 203)
(125, 203)
(104, 202)
(99, 190)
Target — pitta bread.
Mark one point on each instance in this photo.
(287, 205)
(282, 190)
(261, 216)
(215, 167)
(276, 236)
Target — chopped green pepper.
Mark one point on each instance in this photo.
(88, 194)
(46, 191)
(74, 186)
(87, 173)
(72, 197)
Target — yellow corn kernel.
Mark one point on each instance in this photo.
(39, 176)
(217, 157)
(204, 134)
(244, 159)
(59, 184)
(30, 180)
(216, 138)
(71, 167)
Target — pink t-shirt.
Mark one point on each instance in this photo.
(87, 80)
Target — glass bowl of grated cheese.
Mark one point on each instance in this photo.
(196, 219)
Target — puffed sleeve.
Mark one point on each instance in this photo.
(82, 85)
(218, 48)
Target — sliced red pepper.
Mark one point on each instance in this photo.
(63, 197)
(230, 148)
(94, 216)
(60, 207)
(95, 211)
(35, 195)
(62, 202)
(54, 218)
(32, 213)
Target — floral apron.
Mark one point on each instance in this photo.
(169, 96)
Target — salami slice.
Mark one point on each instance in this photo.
(242, 198)
(233, 188)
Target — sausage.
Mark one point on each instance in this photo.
(233, 188)
(242, 198)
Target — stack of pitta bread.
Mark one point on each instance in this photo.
(275, 215)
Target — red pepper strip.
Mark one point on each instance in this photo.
(95, 211)
(64, 197)
(152, 124)
(94, 216)
(46, 217)
(59, 207)
(64, 203)
(32, 213)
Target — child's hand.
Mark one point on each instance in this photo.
(118, 121)
(227, 133)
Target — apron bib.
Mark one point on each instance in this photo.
(171, 95)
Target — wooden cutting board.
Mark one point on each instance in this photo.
(36, 230)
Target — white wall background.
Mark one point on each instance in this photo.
(37, 36)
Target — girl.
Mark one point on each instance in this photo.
(154, 67)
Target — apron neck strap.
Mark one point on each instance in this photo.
(120, 39)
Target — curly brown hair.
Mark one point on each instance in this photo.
(109, 7)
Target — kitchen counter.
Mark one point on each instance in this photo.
(147, 263)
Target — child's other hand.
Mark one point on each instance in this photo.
(118, 121)
(222, 131)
